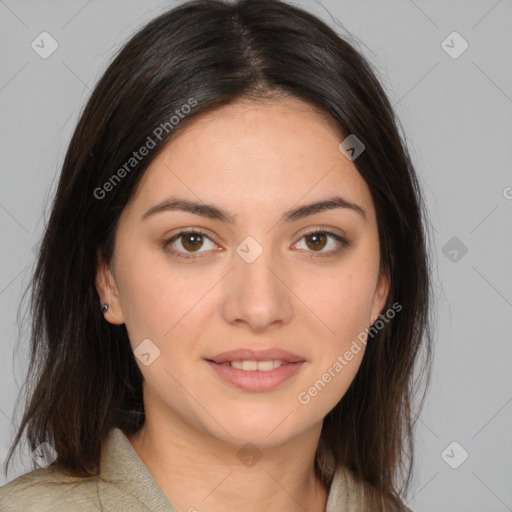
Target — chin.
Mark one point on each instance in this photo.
(265, 430)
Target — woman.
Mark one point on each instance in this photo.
(233, 286)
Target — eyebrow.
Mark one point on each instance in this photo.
(213, 212)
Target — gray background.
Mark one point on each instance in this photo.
(456, 113)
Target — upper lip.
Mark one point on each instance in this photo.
(246, 354)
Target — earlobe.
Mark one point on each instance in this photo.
(106, 287)
(380, 297)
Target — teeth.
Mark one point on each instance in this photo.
(262, 366)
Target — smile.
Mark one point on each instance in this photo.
(256, 376)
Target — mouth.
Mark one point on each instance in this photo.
(255, 376)
(252, 365)
(247, 356)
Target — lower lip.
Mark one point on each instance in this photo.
(255, 380)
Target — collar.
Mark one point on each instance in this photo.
(121, 465)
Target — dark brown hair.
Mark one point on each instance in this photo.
(83, 379)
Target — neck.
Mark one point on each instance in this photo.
(199, 472)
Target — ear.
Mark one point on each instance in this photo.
(380, 297)
(108, 292)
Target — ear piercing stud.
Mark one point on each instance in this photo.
(104, 308)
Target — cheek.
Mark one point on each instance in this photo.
(341, 305)
(172, 308)
(341, 300)
(152, 298)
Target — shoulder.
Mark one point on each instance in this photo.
(350, 493)
(40, 490)
(50, 489)
(124, 483)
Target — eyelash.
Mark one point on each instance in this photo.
(342, 241)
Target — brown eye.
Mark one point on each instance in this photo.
(191, 241)
(188, 243)
(316, 241)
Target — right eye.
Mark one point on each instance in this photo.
(187, 242)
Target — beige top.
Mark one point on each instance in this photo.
(126, 485)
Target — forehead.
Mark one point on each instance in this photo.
(255, 157)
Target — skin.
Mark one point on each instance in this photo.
(256, 161)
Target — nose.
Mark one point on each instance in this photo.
(257, 294)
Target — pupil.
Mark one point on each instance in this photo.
(193, 240)
(317, 240)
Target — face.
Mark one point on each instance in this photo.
(247, 275)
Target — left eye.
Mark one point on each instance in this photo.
(318, 240)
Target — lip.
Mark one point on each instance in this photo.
(255, 380)
(246, 354)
